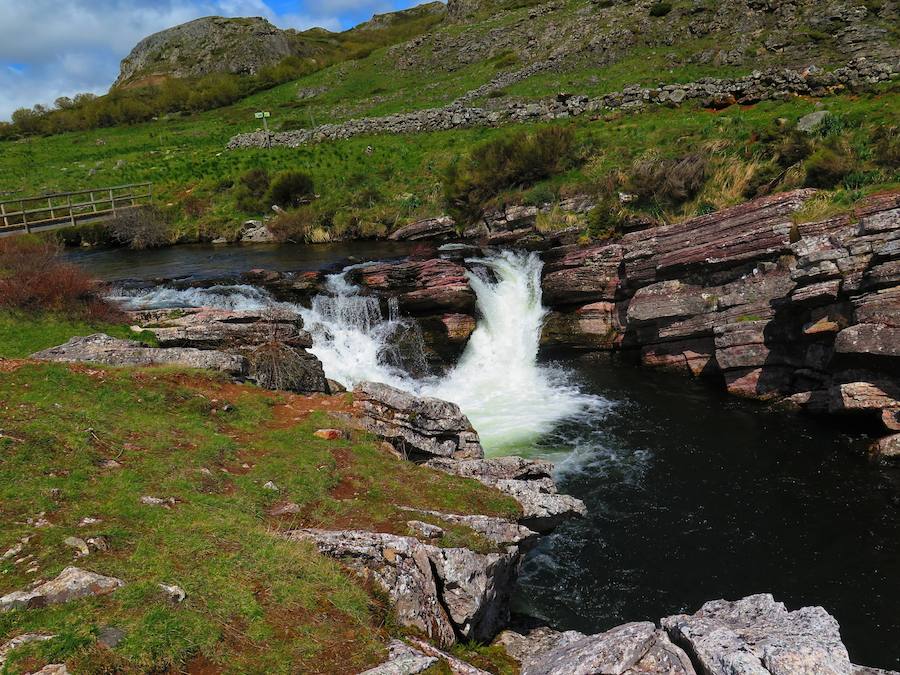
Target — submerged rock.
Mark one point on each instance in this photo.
(419, 427)
(103, 349)
(72, 583)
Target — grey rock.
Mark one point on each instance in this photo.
(72, 583)
(496, 530)
(809, 123)
(103, 349)
(416, 426)
(174, 593)
(426, 530)
(402, 660)
(758, 636)
(110, 636)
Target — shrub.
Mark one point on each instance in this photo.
(140, 228)
(887, 147)
(661, 9)
(794, 148)
(251, 188)
(662, 181)
(514, 161)
(606, 220)
(33, 278)
(291, 189)
(828, 166)
(293, 226)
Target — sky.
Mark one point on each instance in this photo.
(53, 48)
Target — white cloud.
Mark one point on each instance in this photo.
(52, 48)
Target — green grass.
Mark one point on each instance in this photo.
(23, 334)
(255, 603)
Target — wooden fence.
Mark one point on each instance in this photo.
(65, 209)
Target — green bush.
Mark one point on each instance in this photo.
(793, 148)
(828, 166)
(251, 188)
(517, 160)
(887, 147)
(661, 9)
(291, 189)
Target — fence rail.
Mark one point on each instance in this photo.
(66, 209)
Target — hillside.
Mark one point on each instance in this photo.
(504, 56)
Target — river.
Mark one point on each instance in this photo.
(692, 495)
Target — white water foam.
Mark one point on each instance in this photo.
(511, 398)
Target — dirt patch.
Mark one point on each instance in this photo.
(296, 408)
(10, 366)
(200, 665)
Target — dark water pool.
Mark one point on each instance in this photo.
(207, 261)
(694, 495)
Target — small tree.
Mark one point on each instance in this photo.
(291, 189)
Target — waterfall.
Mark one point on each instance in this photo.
(511, 398)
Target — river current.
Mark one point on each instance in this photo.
(692, 495)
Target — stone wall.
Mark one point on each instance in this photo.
(709, 92)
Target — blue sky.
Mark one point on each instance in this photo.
(53, 48)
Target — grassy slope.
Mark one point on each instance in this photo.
(186, 160)
(255, 604)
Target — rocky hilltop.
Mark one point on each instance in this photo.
(207, 45)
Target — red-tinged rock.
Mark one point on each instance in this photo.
(693, 356)
(595, 325)
(886, 449)
(442, 227)
(881, 398)
(421, 287)
(574, 275)
(669, 299)
(869, 338)
(764, 384)
(329, 434)
(459, 326)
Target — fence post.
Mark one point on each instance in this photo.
(71, 210)
(112, 200)
(3, 215)
(50, 206)
(25, 218)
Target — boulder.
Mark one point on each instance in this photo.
(208, 328)
(402, 660)
(419, 427)
(442, 592)
(71, 584)
(758, 636)
(103, 349)
(630, 649)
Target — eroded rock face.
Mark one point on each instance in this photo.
(758, 636)
(103, 349)
(71, 584)
(443, 592)
(776, 309)
(421, 287)
(420, 427)
(442, 227)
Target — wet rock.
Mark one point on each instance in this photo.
(757, 635)
(106, 350)
(72, 583)
(419, 427)
(629, 649)
(421, 287)
(439, 591)
(402, 660)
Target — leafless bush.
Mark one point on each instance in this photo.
(668, 181)
(278, 359)
(140, 228)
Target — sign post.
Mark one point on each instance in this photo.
(264, 116)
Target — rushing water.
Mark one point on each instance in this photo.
(692, 495)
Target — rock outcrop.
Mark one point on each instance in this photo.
(806, 312)
(71, 584)
(418, 427)
(208, 45)
(752, 636)
(446, 593)
(421, 287)
(103, 349)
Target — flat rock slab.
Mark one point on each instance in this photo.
(402, 660)
(758, 636)
(71, 584)
(631, 649)
(103, 349)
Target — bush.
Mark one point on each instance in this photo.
(887, 147)
(661, 9)
(515, 161)
(251, 188)
(140, 228)
(659, 181)
(291, 189)
(33, 278)
(793, 149)
(293, 226)
(828, 166)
